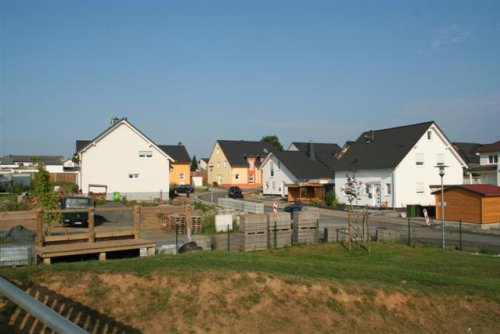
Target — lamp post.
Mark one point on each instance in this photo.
(441, 167)
(211, 167)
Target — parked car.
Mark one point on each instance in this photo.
(75, 218)
(294, 207)
(184, 189)
(235, 192)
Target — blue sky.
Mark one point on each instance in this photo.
(198, 71)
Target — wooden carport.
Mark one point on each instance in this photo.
(306, 192)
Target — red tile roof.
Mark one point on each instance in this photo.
(484, 189)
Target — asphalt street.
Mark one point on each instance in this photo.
(472, 237)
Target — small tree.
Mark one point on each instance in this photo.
(352, 188)
(274, 141)
(194, 164)
(43, 190)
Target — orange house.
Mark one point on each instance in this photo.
(473, 203)
(180, 169)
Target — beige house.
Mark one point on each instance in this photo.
(237, 162)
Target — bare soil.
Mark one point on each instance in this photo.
(232, 302)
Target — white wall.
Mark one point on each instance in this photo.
(116, 156)
(282, 176)
(375, 178)
(54, 168)
(408, 175)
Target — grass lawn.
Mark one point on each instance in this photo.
(317, 289)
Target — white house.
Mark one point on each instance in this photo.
(488, 171)
(286, 168)
(397, 166)
(126, 161)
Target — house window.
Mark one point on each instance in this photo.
(267, 184)
(250, 179)
(133, 176)
(251, 164)
(181, 176)
(419, 157)
(429, 135)
(236, 176)
(493, 158)
(440, 159)
(420, 187)
(145, 154)
(388, 189)
(272, 168)
(368, 189)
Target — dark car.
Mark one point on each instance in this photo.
(184, 189)
(294, 207)
(75, 218)
(234, 192)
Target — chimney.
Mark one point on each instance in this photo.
(311, 151)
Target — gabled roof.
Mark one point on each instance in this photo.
(468, 152)
(177, 152)
(53, 160)
(486, 190)
(382, 148)
(318, 147)
(236, 151)
(300, 165)
(493, 147)
(81, 145)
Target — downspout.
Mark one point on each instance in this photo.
(393, 186)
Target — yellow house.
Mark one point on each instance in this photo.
(180, 169)
(237, 162)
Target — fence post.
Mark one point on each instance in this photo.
(176, 240)
(228, 239)
(137, 217)
(460, 233)
(409, 231)
(91, 225)
(39, 228)
(325, 234)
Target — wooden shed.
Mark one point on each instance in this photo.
(473, 203)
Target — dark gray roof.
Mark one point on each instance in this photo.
(236, 151)
(176, 152)
(302, 166)
(81, 144)
(318, 147)
(54, 160)
(468, 152)
(382, 148)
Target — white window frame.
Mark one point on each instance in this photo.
(419, 159)
(251, 179)
(236, 176)
(145, 154)
(493, 158)
(133, 176)
(388, 189)
(420, 188)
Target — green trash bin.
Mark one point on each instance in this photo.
(411, 210)
(116, 196)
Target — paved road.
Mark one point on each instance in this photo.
(472, 237)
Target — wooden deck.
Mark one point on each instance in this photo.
(65, 242)
(98, 247)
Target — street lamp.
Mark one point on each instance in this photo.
(211, 167)
(441, 167)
